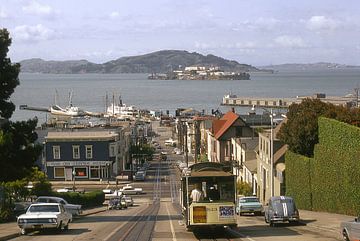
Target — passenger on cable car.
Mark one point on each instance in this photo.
(196, 194)
(214, 194)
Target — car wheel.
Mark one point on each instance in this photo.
(23, 231)
(345, 236)
(66, 227)
(59, 229)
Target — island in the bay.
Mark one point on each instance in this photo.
(201, 73)
(179, 63)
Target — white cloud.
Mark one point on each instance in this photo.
(33, 33)
(114, 15)
(3, 14)
(318, 23)
(261, 23)
(38, 9)
(290, 41)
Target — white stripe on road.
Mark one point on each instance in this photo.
(171, 225)
(241, 235)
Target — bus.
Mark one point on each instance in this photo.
(217, 202)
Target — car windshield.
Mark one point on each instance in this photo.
(249, 200)
(45, 208)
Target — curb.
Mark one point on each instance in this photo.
(17, 234)
(10, 236)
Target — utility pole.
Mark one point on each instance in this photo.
(186, 146)
(197, 140)
(271, 154)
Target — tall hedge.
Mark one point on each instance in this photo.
(329, 181)
(337, 168)
(298, 179)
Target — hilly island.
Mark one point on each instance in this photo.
(164, 61)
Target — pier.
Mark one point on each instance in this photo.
(26, 107)
(233, 100)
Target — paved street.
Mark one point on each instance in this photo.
(156, 216)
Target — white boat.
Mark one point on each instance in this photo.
(70, 110)
(67, 111)
(122, 111)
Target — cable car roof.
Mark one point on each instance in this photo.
(211, 174)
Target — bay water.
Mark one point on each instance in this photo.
(90, 90)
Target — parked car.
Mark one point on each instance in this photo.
(128, 189)
(116, 203)
(249, 204)
(44, 216)
(70, 189)
(351, 229)
(74, 209)
(281, 209)
(20, 208)
(140, 176)
(129, 200)
(112, 193)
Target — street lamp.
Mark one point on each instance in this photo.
(74, 173)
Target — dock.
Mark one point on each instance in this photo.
(26, 107)
(233, 100)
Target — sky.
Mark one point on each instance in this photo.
(257, 32)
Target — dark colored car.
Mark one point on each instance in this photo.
(281, 209)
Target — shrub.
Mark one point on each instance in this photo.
(244, 188)
(87, 200)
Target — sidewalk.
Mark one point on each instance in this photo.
(328, 222)
(11, 230)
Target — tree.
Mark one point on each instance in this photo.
(244, 188)
(300, 131)
(18, 152)
(8, 76)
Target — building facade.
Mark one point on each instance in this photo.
(82, 155)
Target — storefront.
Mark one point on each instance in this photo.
(90, 170)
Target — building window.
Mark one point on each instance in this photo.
(95, 172)
(59, 172)
(81, 172)
(56, 152)
(89, 152)
(112, 150)
(76, 152)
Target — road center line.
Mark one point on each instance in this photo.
(171, 225)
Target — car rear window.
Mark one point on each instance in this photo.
(45, 208)
(249, 200)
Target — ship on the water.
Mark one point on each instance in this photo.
(121, 111)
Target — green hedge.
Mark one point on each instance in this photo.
(298, 179)
(87, 200)
(337, 168)
(333, 185)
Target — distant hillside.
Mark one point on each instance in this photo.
(55, 67)
(311, 66)
(157, 62)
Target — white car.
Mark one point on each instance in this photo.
(112, 193)
(74, 209)
(44, 216)
(128, 189)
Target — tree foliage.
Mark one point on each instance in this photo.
(18, 152)
(300, 131)
(243, 188)
(8, 76)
